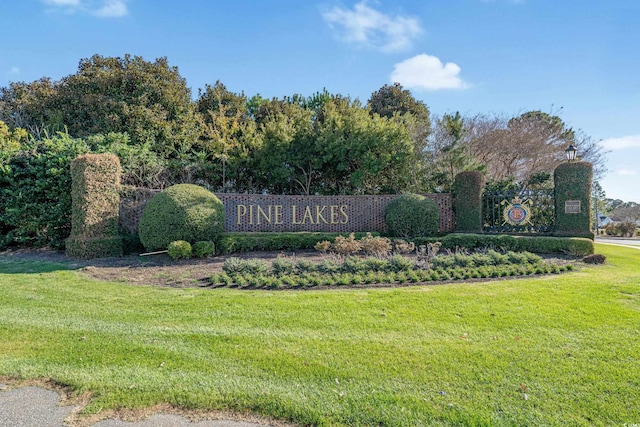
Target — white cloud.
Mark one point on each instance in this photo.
(14, 71)
(632, 141)
(112, 9)
(72, 3)
(426, 72)
(626, 172)
(366, 27)
(100, 8)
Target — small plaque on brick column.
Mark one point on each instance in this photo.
(572, 207)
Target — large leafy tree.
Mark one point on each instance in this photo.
(394, 100)
(26, 105)
(150, 101)
(362, 153)
(520, 148)
(287, 161)
(450, 152)
(229, 135)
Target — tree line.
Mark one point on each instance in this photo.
(324, 143)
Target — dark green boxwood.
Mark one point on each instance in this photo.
(573, 182)
(412, 215)
(181, 212)
(537, 244)
(467, 192)
(204, 248)
(265, 241)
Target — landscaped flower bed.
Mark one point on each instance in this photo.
(289, 272)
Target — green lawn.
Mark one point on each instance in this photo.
(555, 350)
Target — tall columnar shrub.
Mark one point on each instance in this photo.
(573, 199)
(467, 190)
(181, 212)
(412, 215)
(95, 195)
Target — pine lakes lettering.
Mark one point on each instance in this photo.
(297, 215)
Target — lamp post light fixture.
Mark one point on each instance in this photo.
(571, 152)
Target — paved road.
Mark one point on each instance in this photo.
(634, 242)
(37, 407)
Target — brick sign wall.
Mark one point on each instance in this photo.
(341, 214)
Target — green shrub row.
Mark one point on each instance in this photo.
(181, 249)
(35, 192)
(575, 246)
(319, 278)
(489, 258)
(246, 242)
(354, 264)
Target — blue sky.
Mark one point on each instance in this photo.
(575, 58)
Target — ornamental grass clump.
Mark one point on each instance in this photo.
(398, 263)
(375, 246)
(282, 265)
(402, 247)
(345, 246)
(354, 264)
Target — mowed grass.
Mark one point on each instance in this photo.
(555, 350)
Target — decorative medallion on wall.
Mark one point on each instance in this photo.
(518, 212)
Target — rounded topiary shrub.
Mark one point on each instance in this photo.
(203, 249)
(179, 249)
(412, 215)
(181, 212)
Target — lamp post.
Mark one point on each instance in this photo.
(571, 152)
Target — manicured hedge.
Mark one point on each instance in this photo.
(467, 192)
(538, 244)
(247, 242)
(95, 195)
(573, 183)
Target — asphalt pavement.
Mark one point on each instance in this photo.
(34, 406)
(621, 241)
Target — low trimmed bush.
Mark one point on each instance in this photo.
(412, 215)
(577, 246)
(179, 249)
(266, 241)
(181, 212)
(204, 248)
